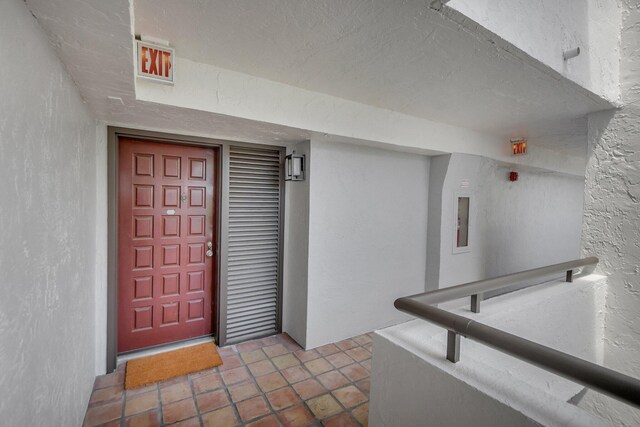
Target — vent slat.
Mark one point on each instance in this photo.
(257, 262)
(250, 321)
(270, 272)
(254, 295)
(238, 287)
(240, 335)
(248, 306)
(246, 250)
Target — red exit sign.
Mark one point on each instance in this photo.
(155, 61)
(519, 147)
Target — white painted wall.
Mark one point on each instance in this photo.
(611, 228)
(48, 228)
(412, 384)
(367, 237)
(530, 223)
(203, 87)
(546, 28)
(296, 251)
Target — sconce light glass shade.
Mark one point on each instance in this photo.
(294, 167)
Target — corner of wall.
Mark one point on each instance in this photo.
(296, 251)
(437, 175)
(101, 250)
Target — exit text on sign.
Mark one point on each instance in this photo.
(155, 62)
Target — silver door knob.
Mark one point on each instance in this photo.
(209, 253)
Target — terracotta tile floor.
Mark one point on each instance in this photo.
(265, 382)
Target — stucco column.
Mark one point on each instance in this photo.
(611, 227)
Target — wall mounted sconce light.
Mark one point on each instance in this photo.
(294, 167)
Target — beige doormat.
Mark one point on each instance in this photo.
(163, 366)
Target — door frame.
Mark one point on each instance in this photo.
(222, 207)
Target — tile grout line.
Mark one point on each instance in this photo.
(351, 383)
(288, 346)
(124, 402)
(195, 400)
(228, 393)
(331, 392)
(124, 399)
(260, 390)
(227, 387)
(312, 376)
(160, 406)
(289, 384)
(328, 391)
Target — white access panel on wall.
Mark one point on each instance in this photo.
(251, 294)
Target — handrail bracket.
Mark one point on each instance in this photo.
(476, 299)
(453, 347)
(569, 277)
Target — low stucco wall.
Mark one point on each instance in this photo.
(412, 384)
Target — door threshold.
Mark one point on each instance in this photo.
(123, 358)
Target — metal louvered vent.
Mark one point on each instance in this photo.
(253, 252)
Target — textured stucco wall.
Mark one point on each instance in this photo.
(514, 226)
(546, 28)
(367, 237)
(611, 228)
(48, 227)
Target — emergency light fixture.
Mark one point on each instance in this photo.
(155, 62)
(294, 167)
(519, 146)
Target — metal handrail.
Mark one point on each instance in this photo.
(604, 380)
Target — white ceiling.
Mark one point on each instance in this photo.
(93, 38)
(400, 56)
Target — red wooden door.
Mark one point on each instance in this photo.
(166, 243)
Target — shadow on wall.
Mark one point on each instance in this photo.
(514, 226)
(529, 223)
